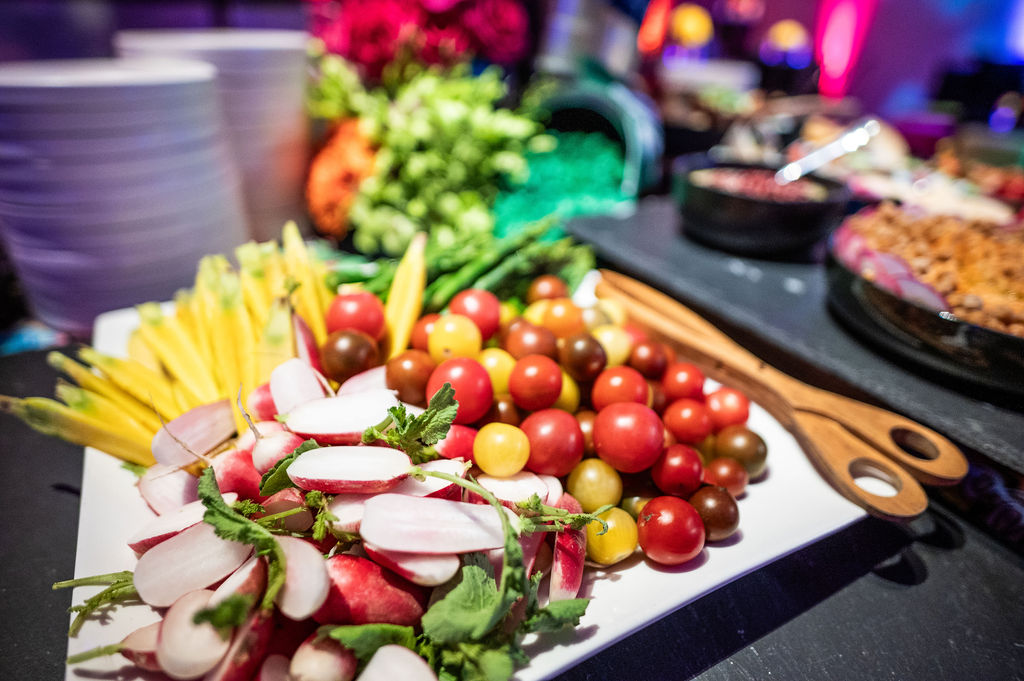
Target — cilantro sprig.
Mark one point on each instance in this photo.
(415, 435)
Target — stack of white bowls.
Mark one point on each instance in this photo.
(115, 178)
(262, 78)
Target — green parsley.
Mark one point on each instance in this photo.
(415, 435)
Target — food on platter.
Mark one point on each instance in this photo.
(758, 183)
(352, 498)
(972, 269)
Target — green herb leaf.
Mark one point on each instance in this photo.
(276, 479)
(465, 613)
(248, 507)
(227, 615)
(121, 588)
(233, 526)
(415, 435)
(322, 522)
(557, 615)
(364, 639)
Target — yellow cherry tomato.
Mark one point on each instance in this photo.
(594, 317)
(498, 364)
(501, 450)
(507, 312)
(616, 343)
(569, 399)
(618, 543)
(614, 310)
(454, 335)
(594, 483)
(534, 312)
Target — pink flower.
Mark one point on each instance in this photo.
(499, 27)
(370, 32)
(444, 43)
(439, 6)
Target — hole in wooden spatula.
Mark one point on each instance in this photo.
(914, 443)
(873, 479)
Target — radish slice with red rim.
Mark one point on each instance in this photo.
(166, 526)
(348, 509)
(434, 487)
(349, 469)
(397, 522)
(294, 382)
(555, 489)
(139, 647)
(184, 649)
(371, 379)
(193, 434)
(419, 568)
(306, 582)
(167, 488)
(248, 580)
(511, 490)
(340, 420)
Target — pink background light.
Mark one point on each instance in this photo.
(842, 26)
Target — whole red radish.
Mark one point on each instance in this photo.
(248, 649)
(235, 472)
(568, 555)
(260, 403)
(289, 499)
(363, 592)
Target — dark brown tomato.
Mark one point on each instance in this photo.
(649, 358)
(503, 410)
(744, 445)
(582, 357)
(718, 511)
(408, 373)
(527, 339)
(546, 286)
(586, 420)
(346, 353)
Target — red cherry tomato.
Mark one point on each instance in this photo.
(535, 382)
(481, 306)
(556, 442)
(628, 436)
(689, 420)
(635, 333)
(727, 472)
(670, 531)
(421, 331)
(728, 407)
(618, 384)
(683, 380)
(678, 471)
(361, 311)
(472, 386)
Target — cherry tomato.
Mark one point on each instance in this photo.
(649, 358)
(535, 382)
(563, 318)
(408, 373)
(670, 531)
(658, 400)
(546, 286)
(499, 366)
(586, 420)
(501, 450)
(617, 543)
(453, 336)
(582, 356)
(619, 384)
(728, 407)
(556, 442)
(678, 471)
(636, 334)
(718, 511)
(683, 380)
(361, 311)
(472, 386)
(479, 305)
(346, 353)
(744, 445)
(569, 398)
(534, 312)
(688, 420)
(503, 410)
(529, 339)
(421, 331)
(616, 343)
(634, 504)
(727, 472)
(594, 484)
(628, 436)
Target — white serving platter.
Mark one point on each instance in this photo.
(791, 507)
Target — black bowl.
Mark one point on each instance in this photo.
(748, 225)
(968, 354)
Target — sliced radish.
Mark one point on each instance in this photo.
(849, 247)
(306, 583)
(167, 488)
(340, 420)
(294, 382)
(193, 559)
(306, 347)
(426, 525)
(397, 662)
(363, 592)
(419, 568)
(567, 558)
(235, 472)
(348, 509)
(322, 659)
(184, 649)
(247, 440)
(260, 403)
(193, 434)
(554, 488)
(434, 487)
(511, 490)
(349, 469)
(248, 580)
(287, 500)
(274, 668)
(272, 448)
(921, 293)
(530, 544)
(166, 526)
(247, 651)
(371, 379)
(139, 647)
(458, 443)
